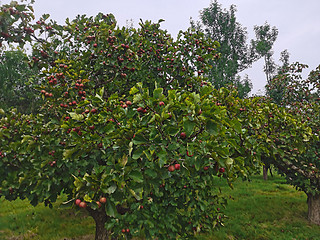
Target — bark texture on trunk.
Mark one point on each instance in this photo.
(265, 173)
(100, 217)
(314, 208)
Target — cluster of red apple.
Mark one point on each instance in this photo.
(11, 11)
(83, 204)
(79, 84)
(52, 153)
(28, 30)
(52, 163)
(52, 80)
(77, 130)
(44, 54)
(45, 93)
(125, 230)
(174, 167)
(141, 110)
(73, 103)
(125, 104)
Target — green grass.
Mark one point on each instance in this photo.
(257, 210)
(265, 210)
(20, 220)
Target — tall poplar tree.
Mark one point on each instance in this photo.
(236, 53)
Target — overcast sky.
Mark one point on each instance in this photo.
(298, 21)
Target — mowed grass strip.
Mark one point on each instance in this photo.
(265, 210)
(20, 220)
(257, 210)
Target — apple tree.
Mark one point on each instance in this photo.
(301, 97)
(129, 129)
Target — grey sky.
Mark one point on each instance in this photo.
(298, 21)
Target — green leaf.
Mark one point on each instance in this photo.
(87, 198)
(109, 190)
(77, 183)
(134, 90)
(172, 94)
(196, 97)
(136, 176)
(188, 127)
(172, 131)
(31, 8)
(98, 97)
(137, 153)
(212, 127)
(229, 161)
(137, 98)
(137, 193)
(152, 119)
(139, 139)
(151, 173)
(67, 153)
(101, 92)
(130, 148)
(26, 138)
(110, 208)
(76, 116)
(157, 93)
(237, 125)
(162, 158)
(124, 160)
(149, 153)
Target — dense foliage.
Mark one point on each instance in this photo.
(17, 82)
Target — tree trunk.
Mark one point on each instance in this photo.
(265, 173)
(100, 218)
(314, 208)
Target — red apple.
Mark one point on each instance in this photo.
(177, 166)
(140, 109)
(83, 204)
(77, 202)
(171, 168)
(103, 200)
(183, 135)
